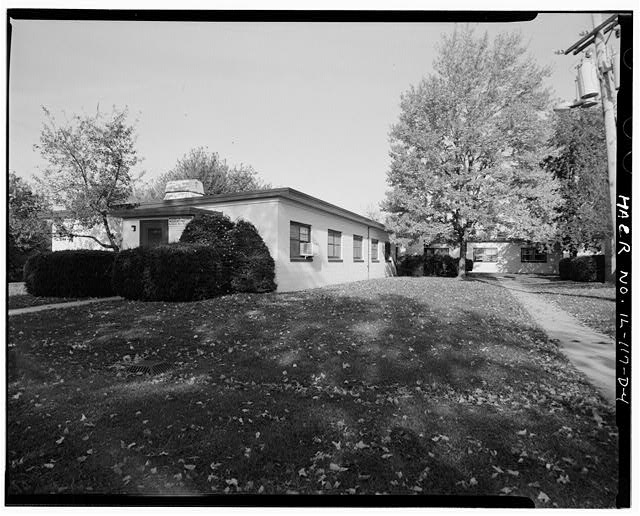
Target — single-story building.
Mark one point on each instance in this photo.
(502, 256)
(313, 243)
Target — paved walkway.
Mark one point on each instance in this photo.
(591, 352)
(40, 308)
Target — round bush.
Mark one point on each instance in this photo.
(588, 268)
(73, 273)
(411, 265)
(253, 267)
(204, 228)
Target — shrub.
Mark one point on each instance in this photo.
(468, 265)
(173, 272)
(441, 265)
(74, 273)
(588, 268)
(128, 270)
(208, 228)
(253, 267)
(411, 265)
(564, 268)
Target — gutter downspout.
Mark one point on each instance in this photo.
(368, 252)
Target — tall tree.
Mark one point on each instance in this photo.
(90, 160)
(29, 231)
(580, 164)
(466, 151)
(216, 175)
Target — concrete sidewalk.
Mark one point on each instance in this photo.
(591, 352)
(70, 304)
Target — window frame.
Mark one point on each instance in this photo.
(387, 251)
(357, 238)
(335, 234)
(298, 257)
(484, 249)
(538, 257)
(375, 257)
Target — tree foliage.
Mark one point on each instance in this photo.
(466, 150)
(580, 164)
(216, 175)
(89, 171)
(29, 230)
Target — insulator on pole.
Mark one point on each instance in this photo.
(587, 79)
(615, 64)
(577, 102)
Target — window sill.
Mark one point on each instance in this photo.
(310, 259)
(375, 261)
(358, 260)
(335, 260)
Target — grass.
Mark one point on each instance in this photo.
(402, 386)
(594, 304)
(27, 300)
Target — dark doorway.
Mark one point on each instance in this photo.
(154, 232)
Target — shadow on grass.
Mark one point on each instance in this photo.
(314, 392)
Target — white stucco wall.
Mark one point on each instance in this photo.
(63, 244)
(508, 261)
(297, 275)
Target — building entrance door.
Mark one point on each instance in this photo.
(154, 232)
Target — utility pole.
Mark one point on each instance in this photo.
(608, 97)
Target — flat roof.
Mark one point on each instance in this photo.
(175, 206)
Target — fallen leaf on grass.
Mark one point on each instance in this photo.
(190, 467)
(360, 445)
(522, 432)
(302, 472)
(473, 481)
(82, 458)
(59, 441)
(48, 465)
(563, 479)
(542, 497)
(513, 473)
(334, 467)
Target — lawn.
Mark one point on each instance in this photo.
(592, 303)
(400, 385)
(27, 300)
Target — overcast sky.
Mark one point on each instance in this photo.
(308, 105)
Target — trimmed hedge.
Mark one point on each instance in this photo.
(564, 268)
(173, 272)
(441, 265)
(588, 268)
(128, 273)
(208, 228)
(411, 265)
(73, 273)
(215, 256)
(437, 265)
(253, 267)
(582, 268)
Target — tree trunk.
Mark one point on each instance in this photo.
(462, 264)
(110, 236)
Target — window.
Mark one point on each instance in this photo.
(485, 254)
(298, 234)
(374, 250)
(334, 246)
(387, 251)
(532, 255)
(436, 251)
(357, 248)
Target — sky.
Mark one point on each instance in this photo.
(307, 105)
